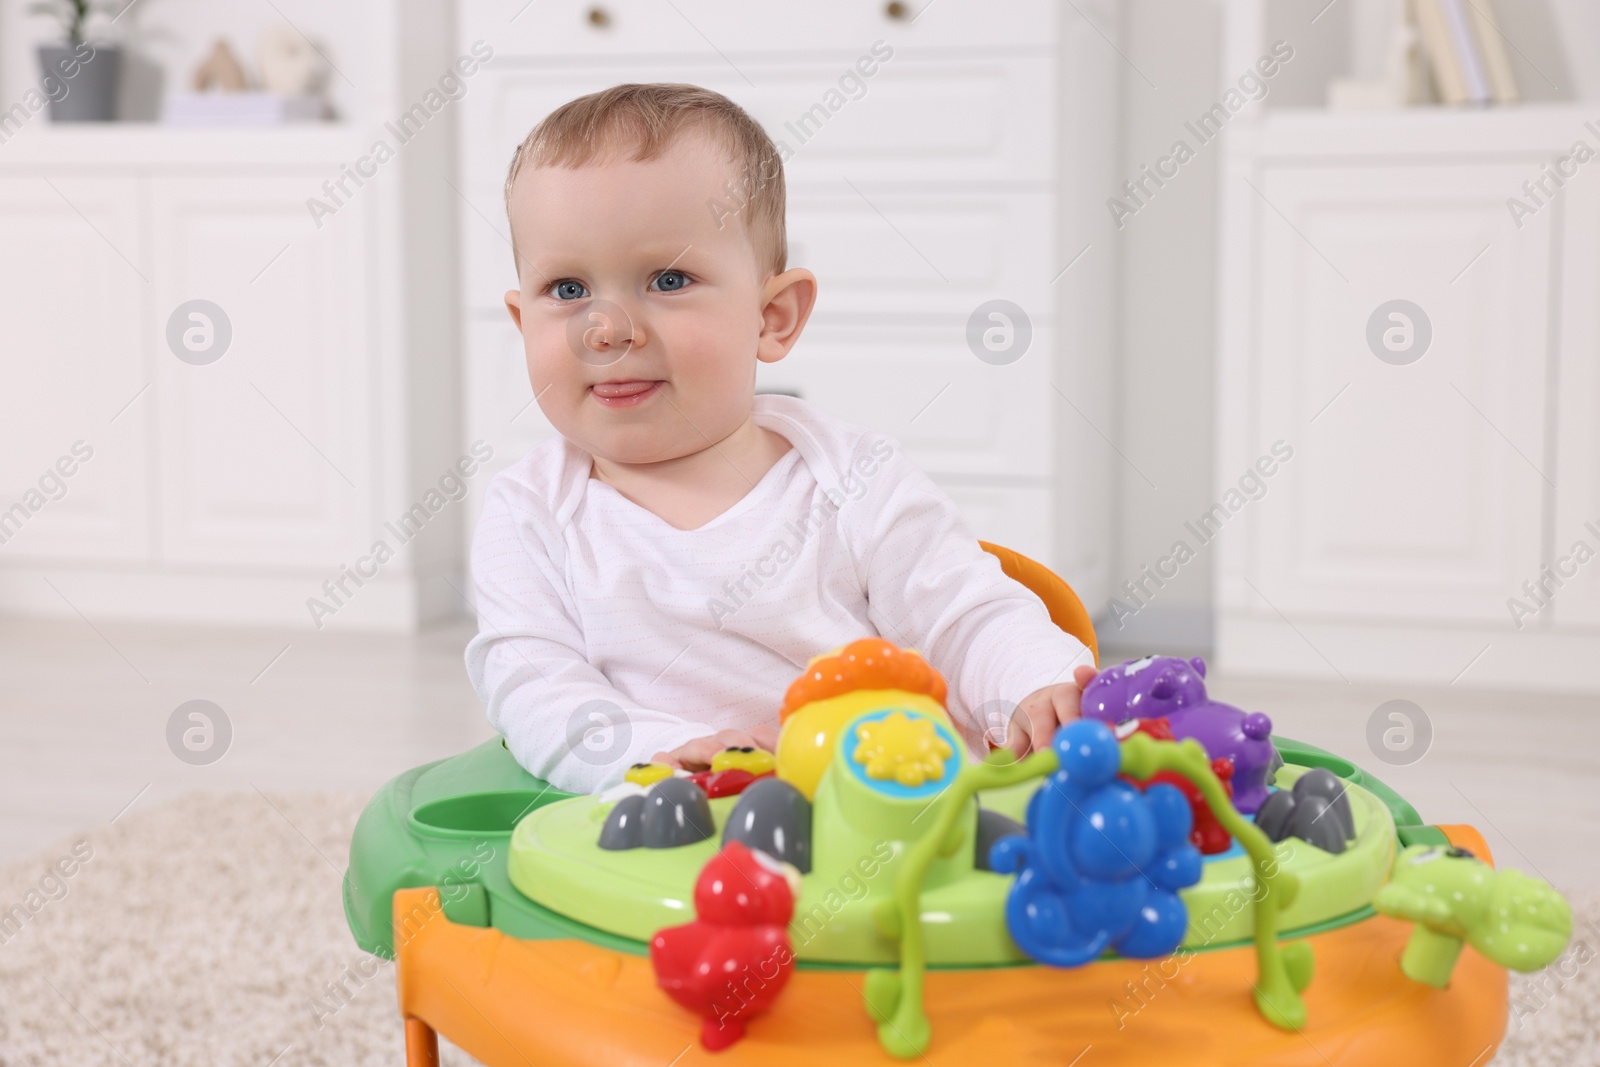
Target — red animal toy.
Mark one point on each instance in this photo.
(1208, 835)
(735, 958)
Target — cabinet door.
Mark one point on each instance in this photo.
(1575, 549)
(887, 250)
(264, 451)
(1417, 488)
(74, 272)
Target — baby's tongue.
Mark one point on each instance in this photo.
(611, 390)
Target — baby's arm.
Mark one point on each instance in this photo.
(561, 718)
(930, 586)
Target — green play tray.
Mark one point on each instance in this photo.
(556, 862)
(450, 824)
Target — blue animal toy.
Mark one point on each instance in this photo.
(1101, 863)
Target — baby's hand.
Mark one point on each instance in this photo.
(1045, 709)
(696, 755)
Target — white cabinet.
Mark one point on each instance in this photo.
(257, 458)
(237, 489)
(225, 481)
(1430, 489)
(73, 265)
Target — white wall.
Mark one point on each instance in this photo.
(1168, 252)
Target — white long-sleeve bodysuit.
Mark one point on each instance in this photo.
(607, 635)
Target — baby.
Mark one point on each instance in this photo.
(651, 581)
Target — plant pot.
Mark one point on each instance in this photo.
(91, 86)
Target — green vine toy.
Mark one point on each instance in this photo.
(894, 998)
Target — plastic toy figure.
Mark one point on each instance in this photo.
(1518, 922)
(862, 676)
(1207, 834)
(1102, 862)
(1147, 688)
(735, 958)
(1173, 688)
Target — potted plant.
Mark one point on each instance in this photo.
(80, 79)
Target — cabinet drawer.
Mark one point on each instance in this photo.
(922, 385)
(565, 31)
(879, 251)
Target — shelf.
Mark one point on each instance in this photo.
(155, 145)
(1317, 132)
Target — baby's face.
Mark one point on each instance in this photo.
(640, 315)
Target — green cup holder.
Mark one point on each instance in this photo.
(478, 814)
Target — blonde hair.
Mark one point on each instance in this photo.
(649, 118)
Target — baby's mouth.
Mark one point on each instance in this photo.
(624, 394)
(615, 391)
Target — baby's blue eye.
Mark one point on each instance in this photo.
(671, 280)
(569, 290)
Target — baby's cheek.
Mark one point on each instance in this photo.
(550, 362)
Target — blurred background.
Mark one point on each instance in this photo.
(1271, 325)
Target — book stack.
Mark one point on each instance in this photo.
(1466, 51)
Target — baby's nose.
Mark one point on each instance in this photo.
(604, 331)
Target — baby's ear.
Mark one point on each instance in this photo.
(514, 306)
(787, 300)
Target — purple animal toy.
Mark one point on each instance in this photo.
(1158, 686)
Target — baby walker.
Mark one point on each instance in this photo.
(1168, 882)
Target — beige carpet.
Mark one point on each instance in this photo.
(209, 932)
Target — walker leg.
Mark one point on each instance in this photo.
(422, 1044)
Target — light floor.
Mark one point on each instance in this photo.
(84, 713)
